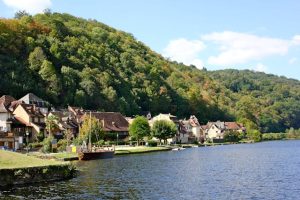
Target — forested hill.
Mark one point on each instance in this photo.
(72, 61)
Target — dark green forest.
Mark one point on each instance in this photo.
(72, 61)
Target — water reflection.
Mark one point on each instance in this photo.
(250, 171)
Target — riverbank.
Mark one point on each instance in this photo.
(139, 149)
(19, 169)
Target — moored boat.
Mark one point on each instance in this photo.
(89, 153)
(100, 154)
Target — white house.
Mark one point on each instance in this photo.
(38, 102)
(5, 113)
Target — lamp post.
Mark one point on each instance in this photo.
(27, 134)
(117, 139)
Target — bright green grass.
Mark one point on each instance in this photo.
(10, 160)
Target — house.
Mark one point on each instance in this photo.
(76, 112)
(197, 129)
(12, 131)
(32, 118)
(5, 113)
(112, 122)
(38, 102)
(215, 130)
(66, 122)
(181, 136)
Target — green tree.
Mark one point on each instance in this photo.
(51, 124)
(139, 128)
(93, 126)
(36, 58)
(254, 135)
(232, 136)
(163, 129)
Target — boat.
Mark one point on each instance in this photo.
(178, 149)
(98, 154)
(93, 153)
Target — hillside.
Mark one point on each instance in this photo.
(72, 61)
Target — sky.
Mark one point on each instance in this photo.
(249, 34)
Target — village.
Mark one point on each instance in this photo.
(23, 120)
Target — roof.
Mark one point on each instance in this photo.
(76, 110)
(112, 121)
(3, 109)
(31, 98)
(6, 100)
(226, 125)
(232, 125)
(32, 110)
(194, 121)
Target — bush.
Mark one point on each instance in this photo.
(254, 135)
(40, 136)
(77, 141)
(62, 145)
(231, 136)
(36, 145)
(47, 145)
(152, 143)
(273, 136)
(100, 143)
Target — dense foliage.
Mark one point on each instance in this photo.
(90, 127)
(163, 130)
(139, 128)
(72, 61)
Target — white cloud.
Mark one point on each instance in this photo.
(185, 51)
(31, 6)
(240, 48)
(260, 68)
(293, 60)
(296, 40)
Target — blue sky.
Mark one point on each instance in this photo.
(249, 34)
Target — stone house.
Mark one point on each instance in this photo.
(66, 123)
(33, 119)
(215, 130)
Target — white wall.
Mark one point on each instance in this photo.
(213, 132)
(3, 124)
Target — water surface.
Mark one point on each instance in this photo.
(267, 170)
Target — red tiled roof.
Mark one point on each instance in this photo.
(232, 125)
(113, 121)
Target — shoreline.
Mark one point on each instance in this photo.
(19, 169)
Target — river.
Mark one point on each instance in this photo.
(267, 170)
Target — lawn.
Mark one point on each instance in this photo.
(10, 160)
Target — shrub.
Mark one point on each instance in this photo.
(231, 136)
(62, 145)
(47, 145)
(40, 137)
(36, 145)
(152, 143)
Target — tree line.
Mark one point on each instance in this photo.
(72, 61)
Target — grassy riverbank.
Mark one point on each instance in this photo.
(12, 160)
(20, 169)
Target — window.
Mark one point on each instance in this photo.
(1, 128)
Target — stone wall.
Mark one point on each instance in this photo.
(20, 176)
